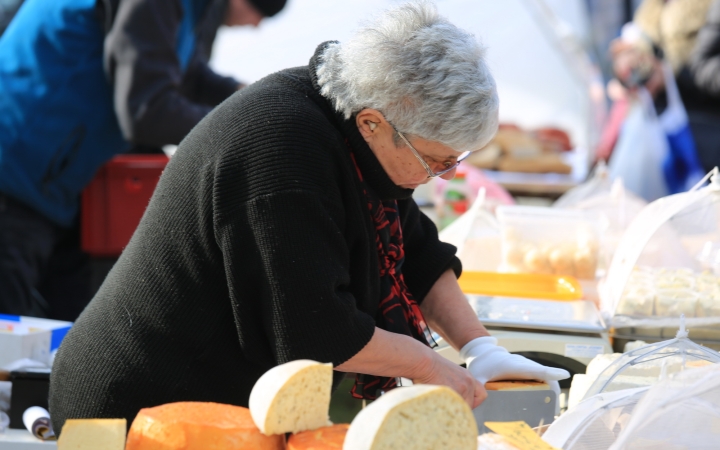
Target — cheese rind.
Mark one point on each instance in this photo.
(419, 417)
(326, 438)
(93, 434)
(198, 425)
(292, 397)
(516, 385)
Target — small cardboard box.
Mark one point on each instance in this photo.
(29, 337)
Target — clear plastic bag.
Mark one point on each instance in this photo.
(476, 234)
(641, 149)
(609, 198)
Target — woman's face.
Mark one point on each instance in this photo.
(399, 162)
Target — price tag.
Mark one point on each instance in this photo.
(520, 435)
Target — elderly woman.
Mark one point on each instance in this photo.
(284, 228)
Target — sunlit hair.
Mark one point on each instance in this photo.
(428, 77)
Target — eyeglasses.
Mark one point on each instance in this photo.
(431, 174)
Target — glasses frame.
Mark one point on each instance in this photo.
(429, 171)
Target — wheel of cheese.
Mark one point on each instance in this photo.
(325, 438)
(93, 434)
(198, 426)
(292, 397)
(418, 417)
(516, 385)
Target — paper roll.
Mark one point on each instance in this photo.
(37, 422)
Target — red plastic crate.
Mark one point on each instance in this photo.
(115, 200)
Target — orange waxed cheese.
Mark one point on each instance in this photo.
(325, 438)
(198, 425)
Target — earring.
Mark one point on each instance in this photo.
(372, 125)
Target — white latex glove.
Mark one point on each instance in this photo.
(487, 361)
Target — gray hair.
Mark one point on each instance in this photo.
(428, 77)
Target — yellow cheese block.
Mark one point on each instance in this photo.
(198, 426)
(93, 434)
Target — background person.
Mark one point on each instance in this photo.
(284, 228)
(81, 81)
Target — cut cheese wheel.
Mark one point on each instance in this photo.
(292, 397)
(516, 385)
(419, 417)
(326, 438)
(93, 434)
(198, 425)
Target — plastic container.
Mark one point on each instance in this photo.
(550, 241)
(30, 337)
(115, 200)
(524, 285)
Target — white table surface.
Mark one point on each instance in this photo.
(22, 440)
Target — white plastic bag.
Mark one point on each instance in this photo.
(641, 150)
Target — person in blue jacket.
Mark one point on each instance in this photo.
(80, 81)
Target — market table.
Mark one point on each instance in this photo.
(13, 439)
(551, 185)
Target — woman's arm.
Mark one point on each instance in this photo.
(392, 355)
(448, 312)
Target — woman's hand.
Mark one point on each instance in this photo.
(440, 371)
(396, 355)
(487, 361)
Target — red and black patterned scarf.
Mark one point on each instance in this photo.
(398, 311)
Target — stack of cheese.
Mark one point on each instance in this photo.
(663, 292)
(292, 398)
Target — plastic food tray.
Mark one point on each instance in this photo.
(524, 285)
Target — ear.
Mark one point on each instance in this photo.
(371, 123)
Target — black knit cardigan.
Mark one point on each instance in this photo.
(257, 248)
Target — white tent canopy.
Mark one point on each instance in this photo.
(535, 52)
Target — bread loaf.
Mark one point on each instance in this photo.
(198, 426)
(325, 438)
(93, 434)
(292, 397)
(419, 417)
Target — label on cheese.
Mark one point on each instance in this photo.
(520, 435)
(583, 351)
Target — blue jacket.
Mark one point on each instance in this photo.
(63, 113)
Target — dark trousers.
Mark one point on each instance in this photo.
(43, 271)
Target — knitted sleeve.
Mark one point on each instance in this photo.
(293, 274)
(426, 257)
